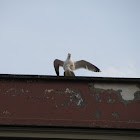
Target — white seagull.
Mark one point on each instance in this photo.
(70, 65)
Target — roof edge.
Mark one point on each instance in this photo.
(79, 78)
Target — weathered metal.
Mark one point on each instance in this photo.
(60, 133)
(70, 101)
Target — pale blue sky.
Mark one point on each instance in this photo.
(104, 32)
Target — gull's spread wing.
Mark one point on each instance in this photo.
(57, 63)
(86, 65)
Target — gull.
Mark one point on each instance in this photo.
(69, 66)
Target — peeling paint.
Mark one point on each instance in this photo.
(97, 113)
(16, 91)
(50, 90)
(75, 97)
(98, 98)
(66, 103)
(110, 100)
(133, 121)
(45, 93)
(116, 115)
(6, 112)
(126, 93)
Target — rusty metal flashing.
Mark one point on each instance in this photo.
(70, 101)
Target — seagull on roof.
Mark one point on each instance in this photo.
(69, 66)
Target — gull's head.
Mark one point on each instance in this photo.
(69, 55)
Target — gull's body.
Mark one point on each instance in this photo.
(68, 71)
(70, 65)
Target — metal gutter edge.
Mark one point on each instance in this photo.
(63, 133)
(79, 78)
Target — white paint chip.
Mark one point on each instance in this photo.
(127, 90)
